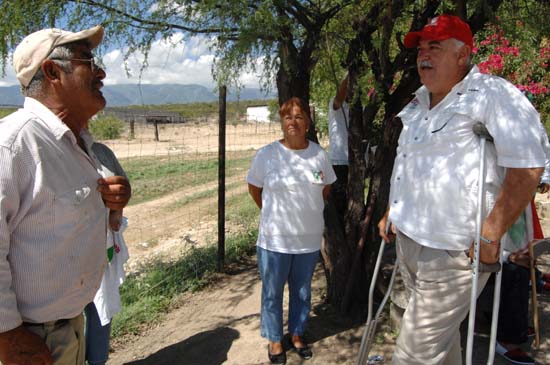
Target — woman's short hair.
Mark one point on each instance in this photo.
(287, 106)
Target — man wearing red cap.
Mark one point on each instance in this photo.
(434, 184)
(53, 202)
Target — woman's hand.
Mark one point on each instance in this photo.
(387, 236)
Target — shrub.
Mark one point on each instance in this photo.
(522, 58)
(106, 128)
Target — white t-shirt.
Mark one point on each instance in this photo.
(291, 219)
(433, 197)
(338, 122)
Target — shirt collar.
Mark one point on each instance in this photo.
(423, 95)
(87, 138)
(58, 128)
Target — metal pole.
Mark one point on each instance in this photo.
(221, 178)
(475, 261)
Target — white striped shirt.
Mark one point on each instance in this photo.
(53, 220)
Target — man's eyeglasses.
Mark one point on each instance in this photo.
(95, 64)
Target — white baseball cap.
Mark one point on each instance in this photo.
(36, 47)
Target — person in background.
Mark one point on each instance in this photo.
(53, 203)
(106, 303)
(289, 180)
(338, 125)
(434, 184)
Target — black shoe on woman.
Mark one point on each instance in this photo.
(279, 358)
(304, 352)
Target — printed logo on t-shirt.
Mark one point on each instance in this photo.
(318, 176)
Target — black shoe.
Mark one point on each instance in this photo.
(276, 358)
(304, 352)
(516, 356)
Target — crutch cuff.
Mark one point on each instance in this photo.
(489, 267)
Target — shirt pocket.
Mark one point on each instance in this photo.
(71, 206)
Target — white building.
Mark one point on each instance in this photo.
(258, 113)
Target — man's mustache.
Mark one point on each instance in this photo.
(425, 64)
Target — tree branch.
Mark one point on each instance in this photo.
(153, 23)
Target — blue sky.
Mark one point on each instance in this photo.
(190, 62)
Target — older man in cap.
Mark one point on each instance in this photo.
(434, 184)
(53, 202)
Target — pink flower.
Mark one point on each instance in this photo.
(514, 51)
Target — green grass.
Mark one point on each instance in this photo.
(147, 296)
(153, 177)
(6, 111)
(209, 193)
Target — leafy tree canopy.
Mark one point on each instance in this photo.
(241, 31)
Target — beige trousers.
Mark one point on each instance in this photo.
(440, 284)
(65, 339)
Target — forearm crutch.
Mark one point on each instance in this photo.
(477, 267)
(368, 334)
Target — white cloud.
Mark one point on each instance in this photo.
(175, 61)
(9, 79)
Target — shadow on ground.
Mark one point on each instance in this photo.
(208, 348)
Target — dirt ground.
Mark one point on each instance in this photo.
(220, 325)
(157, 233)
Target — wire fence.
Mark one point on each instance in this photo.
(174, 179)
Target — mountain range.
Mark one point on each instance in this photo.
(131, 94)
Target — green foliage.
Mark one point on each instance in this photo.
(4, 112)
(106, 128)
(236, 110)
(273, 107)
(521, 55)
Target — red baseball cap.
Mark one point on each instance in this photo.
(440, 28)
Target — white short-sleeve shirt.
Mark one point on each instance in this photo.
(291, 219)
(338, 122)
(434, 180)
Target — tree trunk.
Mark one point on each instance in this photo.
(352, 240)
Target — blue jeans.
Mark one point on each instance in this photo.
(97, 337)
(275, 270)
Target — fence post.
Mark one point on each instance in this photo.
(132, 129)
(155, 124)
(221, 178)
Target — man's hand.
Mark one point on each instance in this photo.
(20, 346)
(520, 259)
(115, 191)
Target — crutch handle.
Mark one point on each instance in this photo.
(481, 131)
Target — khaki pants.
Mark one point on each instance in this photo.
(440, 283)
(64, 338)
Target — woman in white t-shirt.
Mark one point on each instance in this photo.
(289, 180)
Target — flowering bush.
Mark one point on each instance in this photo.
(521, 59)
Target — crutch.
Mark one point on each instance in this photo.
(477, 267)
(536, 248)
(370, 329)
